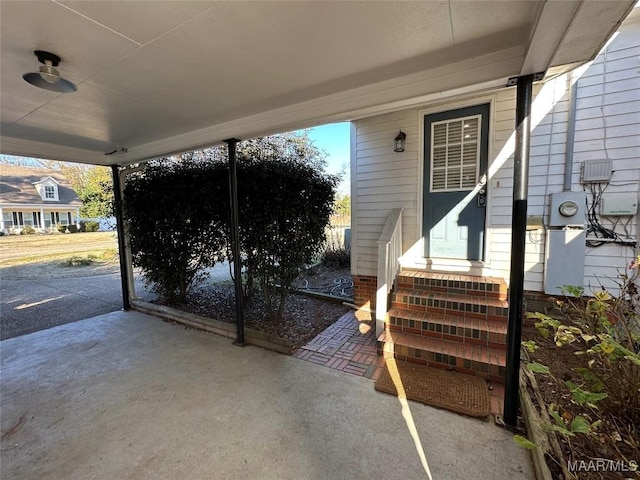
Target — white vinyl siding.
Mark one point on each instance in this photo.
(606, 126)
(602, 117)
(383, 180)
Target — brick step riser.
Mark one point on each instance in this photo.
(492, 373)
(465, 310)
(482, 337)
(479, 290)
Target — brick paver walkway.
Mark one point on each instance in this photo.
(349, 345)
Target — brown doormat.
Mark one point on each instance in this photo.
(452, 391)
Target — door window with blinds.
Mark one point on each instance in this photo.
(455, 154)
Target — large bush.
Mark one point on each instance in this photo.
(285, 206)
(177, 213)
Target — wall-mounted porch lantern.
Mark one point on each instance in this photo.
(399, 142)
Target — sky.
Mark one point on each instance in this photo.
(335, 139)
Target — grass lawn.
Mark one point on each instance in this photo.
(26, 249)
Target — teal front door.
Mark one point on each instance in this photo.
(456, 146)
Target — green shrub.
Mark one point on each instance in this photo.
(285, 207)
(177, 215)
(79, 261)
(605, 329)
(72, 228)
(61, 228)
(90, 226)
(338, 258)
(28, 230)
(336, 254)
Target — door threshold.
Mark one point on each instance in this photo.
(447, 265)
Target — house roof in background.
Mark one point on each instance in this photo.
(163, 77)
(17, 186)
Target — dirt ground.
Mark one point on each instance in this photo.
(304, 316)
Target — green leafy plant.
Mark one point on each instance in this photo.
(568, 425)
(90, 226)
(537, 368)
(524, 442)
(177, 214)
(605, 330)
(530, 345)
(285, 206)
(584, 397)
(27, 230)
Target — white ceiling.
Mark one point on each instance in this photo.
(160, 77)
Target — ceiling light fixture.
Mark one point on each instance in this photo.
(48, 77)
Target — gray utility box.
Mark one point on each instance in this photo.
(567, 209)
(564, 259)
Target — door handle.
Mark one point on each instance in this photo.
(482, 197)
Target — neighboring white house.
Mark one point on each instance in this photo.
(37, 198)
(454, 178)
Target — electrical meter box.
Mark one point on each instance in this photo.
(567, 209)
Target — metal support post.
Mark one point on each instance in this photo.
(235, 239)
(518, 239)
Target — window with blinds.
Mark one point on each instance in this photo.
(455, 154)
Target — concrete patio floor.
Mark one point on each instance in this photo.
(128, 396)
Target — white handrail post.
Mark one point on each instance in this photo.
(381, 288)
(389, 252)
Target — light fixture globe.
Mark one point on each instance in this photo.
(48, 77)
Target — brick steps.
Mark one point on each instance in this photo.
(489, 333)
(469, 306)
(453, 283)
(485, 362)
(452, 321)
